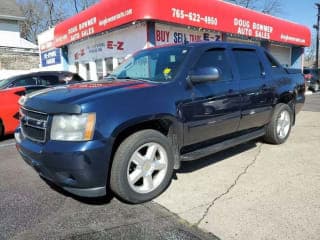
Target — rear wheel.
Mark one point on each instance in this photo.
(142, 167)
(278, 130)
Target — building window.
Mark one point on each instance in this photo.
(77, 67)
(109, 65)
(99, 66)
(87, 67)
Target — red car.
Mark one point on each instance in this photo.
(9, 107)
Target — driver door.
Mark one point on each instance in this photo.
(214, 110)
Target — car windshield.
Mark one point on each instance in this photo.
(4, 82)
(156, 65)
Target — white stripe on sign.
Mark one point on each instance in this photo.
(7, 145)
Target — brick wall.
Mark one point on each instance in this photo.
(12, 60)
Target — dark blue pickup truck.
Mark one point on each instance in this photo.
(162, 106)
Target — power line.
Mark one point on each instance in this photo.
(316, 26)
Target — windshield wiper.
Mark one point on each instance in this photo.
(114, 77)
(126, 77)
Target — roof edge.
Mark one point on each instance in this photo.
(10, 17)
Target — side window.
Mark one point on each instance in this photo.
(215, 58)
(248, 63)
(27, 81)
(48, 80)
(275, 66)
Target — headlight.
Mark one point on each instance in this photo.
(73, 127)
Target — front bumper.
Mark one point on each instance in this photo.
(80, 168)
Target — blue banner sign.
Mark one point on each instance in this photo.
(51, 57)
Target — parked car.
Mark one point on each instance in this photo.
(311, 77)
(9, 107)
(162, 106)
(48, 78)
(14, 87)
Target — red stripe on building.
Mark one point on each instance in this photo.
(208, 14)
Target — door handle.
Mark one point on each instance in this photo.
(264, 88)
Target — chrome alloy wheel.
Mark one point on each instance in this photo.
(283, 124)
(147, 167)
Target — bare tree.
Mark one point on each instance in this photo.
(43, 14)
(273, 7)
(310, 53)
(33, 23)
(80, 5)
(54, 11)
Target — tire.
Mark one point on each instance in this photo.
(142, 167)
(316, 87)
(1, 130)
(279, 128)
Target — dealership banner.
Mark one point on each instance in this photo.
(46, 40)
(118, 44)
(204, 14)
(52, 57)
(168, 34)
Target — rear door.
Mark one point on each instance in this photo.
(215, 107)
(256, 91)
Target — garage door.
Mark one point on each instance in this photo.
(282, 54)
(239, 40)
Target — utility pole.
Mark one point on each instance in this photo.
(316, 26)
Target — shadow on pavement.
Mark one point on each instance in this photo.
(187, 167)
(7, 137)
(90, 201)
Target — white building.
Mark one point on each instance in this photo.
(16, 53)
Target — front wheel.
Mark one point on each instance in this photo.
(142, 167)
(278, 130)
(316, 87)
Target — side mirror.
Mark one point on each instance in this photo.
(204, 75)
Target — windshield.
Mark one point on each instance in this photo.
(4, 82)
(157, 65)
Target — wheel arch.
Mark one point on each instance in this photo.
(167, 124)
(289, 99)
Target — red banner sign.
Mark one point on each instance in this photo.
(207, 14)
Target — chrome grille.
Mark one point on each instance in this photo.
(34, 124)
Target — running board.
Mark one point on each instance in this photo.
(203, 152)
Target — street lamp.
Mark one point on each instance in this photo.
(316, 26)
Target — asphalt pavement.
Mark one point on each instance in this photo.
(32, 209)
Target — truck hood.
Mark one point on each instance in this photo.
(67, 99)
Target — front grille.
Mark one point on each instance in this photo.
(34, 114)
(34, 124)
